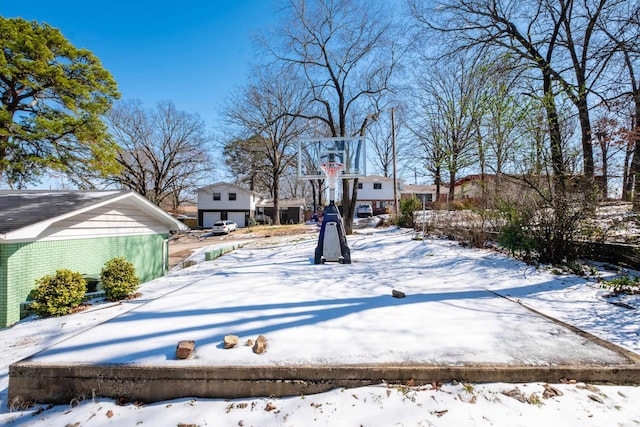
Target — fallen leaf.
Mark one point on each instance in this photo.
(595, 398)
(550, 391)
(516, 394)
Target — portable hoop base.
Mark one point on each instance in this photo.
(332, 242)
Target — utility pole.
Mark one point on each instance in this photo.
(396, 202)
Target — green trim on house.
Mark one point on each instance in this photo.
(22, 263)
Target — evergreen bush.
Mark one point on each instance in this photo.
(407, 209)
(119, 279)
(58, 294)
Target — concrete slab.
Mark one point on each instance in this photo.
(326, 328)
(60, 384)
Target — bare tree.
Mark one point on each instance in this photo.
(345, 51)
(553, 36)
(504, 114)
(611, 140)
(450, 109)
(163, 152)
(266, 113)
(622, 28)
(381, 144)
(431, 147)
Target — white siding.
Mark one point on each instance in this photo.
(368, 193)
(245, 200)
(117, 219)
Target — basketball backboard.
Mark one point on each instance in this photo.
(350, 151)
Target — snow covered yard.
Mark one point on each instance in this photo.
(328, 314)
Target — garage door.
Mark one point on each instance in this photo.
(238, 218)
(208, 218)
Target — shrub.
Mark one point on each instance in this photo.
(407, 209)
(623, 285)
(545, 226)
(119, 278)
(515, 235)
(59, 293)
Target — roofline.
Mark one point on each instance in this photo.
(33, 230)
(206, 187)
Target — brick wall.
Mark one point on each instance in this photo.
(22, 263)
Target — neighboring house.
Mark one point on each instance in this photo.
(376, 191)
(44, 231)
(291, 210)
(426, 193)
(471, 186)
(223, 201)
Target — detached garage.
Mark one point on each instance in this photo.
(43, 231)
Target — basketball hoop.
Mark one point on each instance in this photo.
(332, 170)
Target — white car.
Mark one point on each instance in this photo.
(223, 227)
(364, 211)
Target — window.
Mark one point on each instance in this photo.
(232, 196)
(377, 186)
(216, 196)
(359, 186)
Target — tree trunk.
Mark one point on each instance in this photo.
(481, 161)
(605, 179)
(587, 146)
(276, 196)
(3, 152)
(627, 187)
(555, 135)
(347, 214)
(354, 196)
(315, 201)
(635, 161)
(438, 182)
(452, 185)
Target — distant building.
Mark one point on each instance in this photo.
(376, 191)
(426, 193)
(224, 201)
(291, 211)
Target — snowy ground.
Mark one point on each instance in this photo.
(333, 314)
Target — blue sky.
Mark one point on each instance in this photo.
(192, 53)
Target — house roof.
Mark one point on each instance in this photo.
(37, 209)
(226, 184)
(283, 203)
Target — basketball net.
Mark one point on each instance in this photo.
(332, 170)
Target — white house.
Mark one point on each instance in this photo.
(375, 190)
(224, 201)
